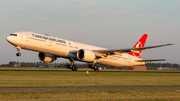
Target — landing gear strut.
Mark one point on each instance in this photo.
(71, 66)
(18, 49)
(93, 66)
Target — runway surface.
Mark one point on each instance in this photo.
(90, 71)
(87, 88)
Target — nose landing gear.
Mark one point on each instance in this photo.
(18, 49)
(18, 54)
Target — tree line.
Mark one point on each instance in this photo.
(163, 65)
(48, 65)
(42, 64)
(81, 65)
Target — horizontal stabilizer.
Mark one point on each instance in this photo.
(151, 60)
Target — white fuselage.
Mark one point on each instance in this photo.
(62, 48)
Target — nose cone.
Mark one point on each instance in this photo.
(9, 39)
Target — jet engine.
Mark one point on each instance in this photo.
(86, 55)
(47, 57)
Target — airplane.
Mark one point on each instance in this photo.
(51, 48)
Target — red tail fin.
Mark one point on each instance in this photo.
(140, 43)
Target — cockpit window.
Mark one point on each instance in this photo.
(13, 34)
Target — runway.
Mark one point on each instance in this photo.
(90, 71)
(87, 88)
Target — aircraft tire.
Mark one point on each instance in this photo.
(75, 69)
(98, 69)
(90, 66)
(67, 66)
(18, 54)
(95, 67)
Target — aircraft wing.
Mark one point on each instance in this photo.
(151, 60)
(120, 51)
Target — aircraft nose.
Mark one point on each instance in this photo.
(8, 38)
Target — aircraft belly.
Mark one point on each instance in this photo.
(111, 62)
(117, 61)
(38, 48)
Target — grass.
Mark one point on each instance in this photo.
(21, 79)
(93, 95)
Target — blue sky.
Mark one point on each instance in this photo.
(113, 24)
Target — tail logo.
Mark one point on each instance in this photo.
(138, 53)
(140, 43)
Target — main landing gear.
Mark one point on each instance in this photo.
(93, 66)
(71, 66)
(18, 49)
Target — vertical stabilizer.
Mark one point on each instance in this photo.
(140, 43)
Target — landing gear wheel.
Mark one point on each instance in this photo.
(71, 66)
(95, 67)
(68, 66)
(18, 54)
(75, 69)
(90, 66)
(99, 68)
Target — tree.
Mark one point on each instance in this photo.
(11, 64)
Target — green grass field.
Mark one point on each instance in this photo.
(22, 79)
(93, 95)
(11, 79)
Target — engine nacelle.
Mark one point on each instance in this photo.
(86, 55)
(47, 57)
